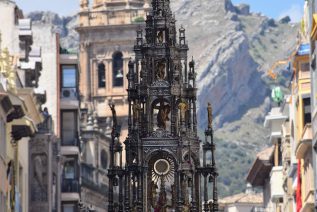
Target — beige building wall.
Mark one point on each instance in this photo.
(3, 160)
(17, 153)
(23, 173)
(10, 40)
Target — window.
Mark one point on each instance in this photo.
(280, 158)
(103, 158)
(69, 128)
(101, 75)
(54, 194)
(304, 67)
(307, 111)
(69, 79)
(69, 208)
(117, 69)
(69, 170)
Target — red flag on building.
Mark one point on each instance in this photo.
(298, 189)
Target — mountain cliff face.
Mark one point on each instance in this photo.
(65, 26)
(232, 49)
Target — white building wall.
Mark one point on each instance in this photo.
(8, 29)
(45, 38)
(247, 207)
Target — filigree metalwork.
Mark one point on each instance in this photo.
(162, 125)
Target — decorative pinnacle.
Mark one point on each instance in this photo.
(209, 110)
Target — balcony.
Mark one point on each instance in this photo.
(47, 125)
(70, 150)
(70, 147)
(276, 183)
(26, 38)
(305, 143)
(69, 98)
(88, 173)
(32, 67)
(258, 209)
(308, 187)
(70, 190)
(273, 121)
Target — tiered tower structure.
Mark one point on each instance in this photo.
(162, 170)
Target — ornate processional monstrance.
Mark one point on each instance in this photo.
(166, 168)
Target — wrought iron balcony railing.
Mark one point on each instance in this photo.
(70, 186)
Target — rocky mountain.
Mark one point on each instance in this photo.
(232, 48)
(65, 26)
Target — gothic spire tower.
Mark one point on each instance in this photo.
(162, 169)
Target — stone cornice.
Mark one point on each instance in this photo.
(88, 29)
(32, 105)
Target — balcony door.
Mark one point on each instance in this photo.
(69, 128)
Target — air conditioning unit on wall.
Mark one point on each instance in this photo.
(69, 93)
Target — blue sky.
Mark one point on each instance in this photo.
(271, 8)
(276, 8)
(63, 7)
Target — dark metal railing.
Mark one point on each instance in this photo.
(70, 186)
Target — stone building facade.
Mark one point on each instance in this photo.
(107, 31)
(43, 171)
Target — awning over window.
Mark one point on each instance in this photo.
(6, 104)
(261, 167)
(19, 108)
(304, 49)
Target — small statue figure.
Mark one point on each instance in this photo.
(161, 203)
(160, 71)
(114, 116)
(174, 195)
(39, 169)
(136, 112)
(209, 110)
(178, 67)
(162, 115)
(153, 192)
(160, 36)
(183, 108)
(143, 68)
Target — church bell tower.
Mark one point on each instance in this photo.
(163, 169)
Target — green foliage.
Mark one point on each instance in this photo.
(138, 19)
(233, 163)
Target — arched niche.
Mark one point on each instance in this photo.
(161, 114)
(101, 75)
(193, 159)
(117, 69)
(104, 159)
(161, 179)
